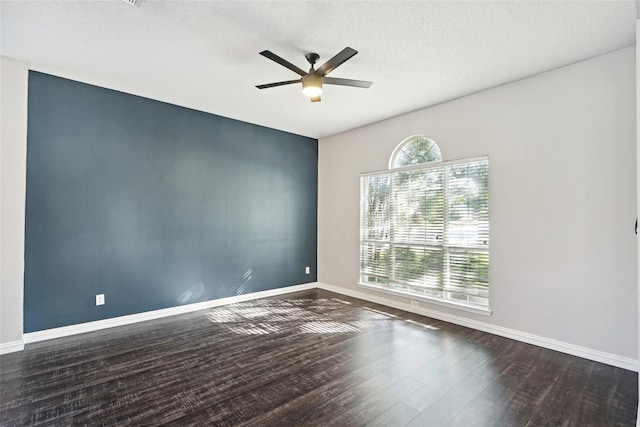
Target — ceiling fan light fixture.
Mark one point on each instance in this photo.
(312, 85)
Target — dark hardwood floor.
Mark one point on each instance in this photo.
(310, 358)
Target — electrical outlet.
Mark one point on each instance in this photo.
(415, 303)
(307, 270)
(100, 299)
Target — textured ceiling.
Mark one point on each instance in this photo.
(204, 55)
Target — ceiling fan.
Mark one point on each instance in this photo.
(313, 80)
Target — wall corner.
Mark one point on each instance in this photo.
(14, 76)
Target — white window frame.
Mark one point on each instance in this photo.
(406, 293)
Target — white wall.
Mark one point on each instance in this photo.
(561, 148)
(13, 157)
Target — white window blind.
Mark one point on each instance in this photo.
(425, 231)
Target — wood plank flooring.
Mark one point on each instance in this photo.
(312, 358)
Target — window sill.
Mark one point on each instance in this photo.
(457, 306)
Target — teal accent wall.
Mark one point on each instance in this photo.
(156, 205)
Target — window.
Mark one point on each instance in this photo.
(424, 227)
(414, 151)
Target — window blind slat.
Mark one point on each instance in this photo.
(374, 216)
(417, 209)
(468, 205)
(374, 258)
(468, 270)
(417, 266)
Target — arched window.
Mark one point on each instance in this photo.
(415, 150)
(424, 227)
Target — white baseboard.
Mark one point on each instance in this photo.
(65, 331)
(575, 350)
(11, 346)
(563, 347)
